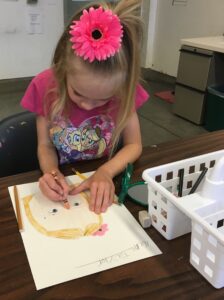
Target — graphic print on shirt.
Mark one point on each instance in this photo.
(91, 139)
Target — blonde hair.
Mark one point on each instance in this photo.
(127, 60)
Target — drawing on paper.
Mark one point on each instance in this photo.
(52, 219)
(91, 243)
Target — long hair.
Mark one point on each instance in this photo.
(126, 60)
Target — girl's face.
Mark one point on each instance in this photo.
(88, 90)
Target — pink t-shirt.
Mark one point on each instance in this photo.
(87, 134)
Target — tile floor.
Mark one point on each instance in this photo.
(158, 123)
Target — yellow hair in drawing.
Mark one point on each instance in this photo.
(52, 219)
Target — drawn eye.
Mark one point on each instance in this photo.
(76, 203)
(53, 211)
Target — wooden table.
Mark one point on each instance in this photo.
(166, 276)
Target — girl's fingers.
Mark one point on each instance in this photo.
(64, 186)
(54, 188)
(93, 195)
(99, 198)
(112, 194)
(52, 183)
(104, 196)
(101, 194)
(50, 191)
(106, 199)
(80, 188)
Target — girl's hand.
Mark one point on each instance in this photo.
(101, 188)
(56, 190)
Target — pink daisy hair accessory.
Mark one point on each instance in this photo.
(97, 35)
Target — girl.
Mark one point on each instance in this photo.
(87, 100)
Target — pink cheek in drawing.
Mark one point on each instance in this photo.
(102, 230)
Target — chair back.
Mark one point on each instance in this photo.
(18, 144)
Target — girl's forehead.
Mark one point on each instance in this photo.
(95, 85)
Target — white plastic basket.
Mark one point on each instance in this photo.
(173, 216)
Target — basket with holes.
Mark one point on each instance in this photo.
(174, 216)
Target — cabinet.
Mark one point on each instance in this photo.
(195, 73)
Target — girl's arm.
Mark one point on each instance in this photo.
(101, 182)
(48, 162)
(46, 151)
(131, 150)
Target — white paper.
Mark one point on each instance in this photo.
(34, 21)
(55, 260)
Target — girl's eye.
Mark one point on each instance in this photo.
(76, 93)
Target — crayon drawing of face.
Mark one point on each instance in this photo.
(52, 219)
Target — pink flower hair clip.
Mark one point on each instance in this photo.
(97, 35)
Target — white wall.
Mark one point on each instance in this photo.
(172, 23)
(23, 54)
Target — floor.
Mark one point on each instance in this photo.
(158, 123)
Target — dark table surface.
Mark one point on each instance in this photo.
(166, 276)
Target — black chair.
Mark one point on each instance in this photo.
(18, 144)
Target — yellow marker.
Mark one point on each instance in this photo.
(83, 177)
